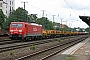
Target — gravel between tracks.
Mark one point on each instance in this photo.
(11, 55)
(3, 38)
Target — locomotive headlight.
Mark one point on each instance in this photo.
(11, 30)
(20, 30)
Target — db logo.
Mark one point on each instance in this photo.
(35, 29)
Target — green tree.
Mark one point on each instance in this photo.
(17, 15)
(57, 28)
(81, 30)
(65, 28)
(87, 29)
(32, 18)
(74, 29)
(2, 18)
(47, 24)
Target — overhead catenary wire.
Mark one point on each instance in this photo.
(71, 7)
(50, 6)
(46, 12)
(39, 8)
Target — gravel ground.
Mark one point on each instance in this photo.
(78, 55)
(12, 54)
(81, 57)
(3, 38)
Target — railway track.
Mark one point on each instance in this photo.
(50, 51)
(13, 46)
(8, 41)
(25, 45)
(5, 40)
(4, 35)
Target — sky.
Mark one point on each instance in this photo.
(66, 10)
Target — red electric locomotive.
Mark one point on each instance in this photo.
(25, 30)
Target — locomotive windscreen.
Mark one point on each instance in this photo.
(16, 25)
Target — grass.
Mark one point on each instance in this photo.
(11, 53)
(2, 53)
(32, 47)
(59, 40)
(70, 57)
(69, 39)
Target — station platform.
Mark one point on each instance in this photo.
(80, 51)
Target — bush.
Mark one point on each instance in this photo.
(32, 47)
(11, 53)
(59, 40)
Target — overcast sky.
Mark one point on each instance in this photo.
(67, 10)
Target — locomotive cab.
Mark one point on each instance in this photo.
(16, 30)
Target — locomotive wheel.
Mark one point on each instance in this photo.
(27, 39)
(12, 38)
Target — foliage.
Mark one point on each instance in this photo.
(46, 24)
(87, 30)
(32, 18)
(2, 53)
(2, 18)
(74, 29)
(11, 53)
(65, 28)
(4, 26)
(32, 47)
(70, 58)
(57, 28)
(80, 30)
(17, 15)
(59, 40)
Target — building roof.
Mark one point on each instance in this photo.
(86, 19)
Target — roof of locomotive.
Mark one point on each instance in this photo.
(18, 22)
(28, 23)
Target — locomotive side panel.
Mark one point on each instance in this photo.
(33, 30)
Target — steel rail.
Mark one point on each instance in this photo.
(33, 54)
